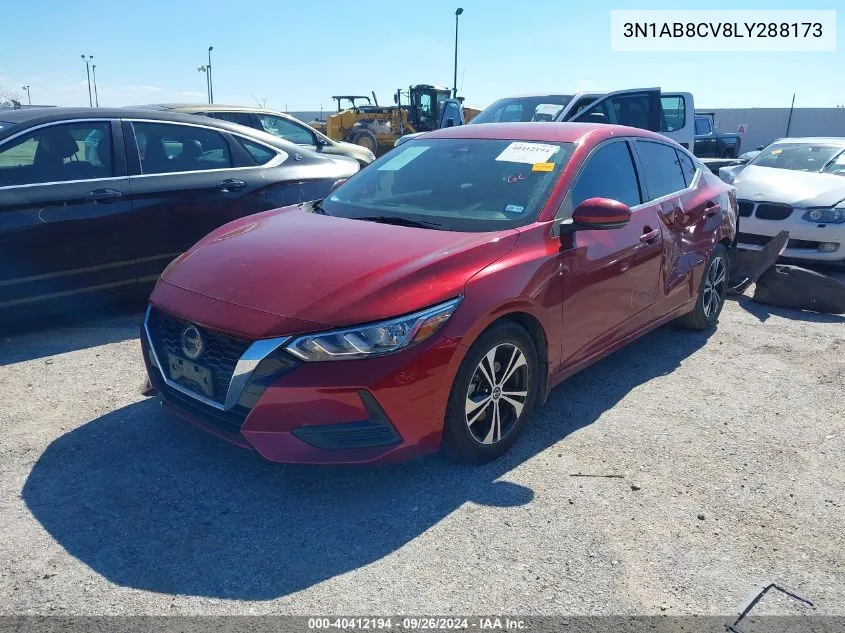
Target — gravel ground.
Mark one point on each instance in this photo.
(729, 446)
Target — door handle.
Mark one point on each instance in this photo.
(233, 184)
(650, 236)
(102, 196)
(711, 209)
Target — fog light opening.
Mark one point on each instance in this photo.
(828, 247)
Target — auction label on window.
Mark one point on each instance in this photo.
(723, 30)
(528, 153)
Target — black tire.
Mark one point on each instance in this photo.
(705, 314)
(467, 441)
(365, 138)
(728, 153)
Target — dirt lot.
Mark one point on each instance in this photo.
(730, 447)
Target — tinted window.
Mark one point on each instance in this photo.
(661, 169)
(609, 173)
(57, 153)
(260, 153)
(165, 148)
(702, 126)
(287, 130)
(626, 109)
(687, 167)
(459, 184)
(241, 118)
(673, 113)
(452, 111)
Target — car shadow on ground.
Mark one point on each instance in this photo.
(50, 335)
(763, 312)
(153, 504)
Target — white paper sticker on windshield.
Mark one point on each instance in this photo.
(528, 153)
(405, 156)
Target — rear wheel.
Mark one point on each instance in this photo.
(365, 138)
(494, 392)
(712, 292)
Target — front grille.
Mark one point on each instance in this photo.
(229, 421)
(746, 209)
(220, 355)
(767, 211)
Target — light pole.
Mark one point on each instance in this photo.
(88, 61)
(28, 97)
(210, 82)
(458, 11)
(94, 74)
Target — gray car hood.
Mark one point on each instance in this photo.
(795, 188)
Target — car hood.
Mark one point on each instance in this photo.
(356, 152)
(333, 271)
(795, 188)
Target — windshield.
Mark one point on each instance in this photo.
(524, 109)
(455, 184)
(814, 157)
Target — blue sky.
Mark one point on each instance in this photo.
(298, 54)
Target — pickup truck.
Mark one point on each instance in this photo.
(712, 144)
(669, 113)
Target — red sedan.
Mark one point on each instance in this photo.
(436, 297)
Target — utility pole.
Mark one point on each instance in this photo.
(94, 73)
(28, 97)
(458, 12)
(88, 61)
(210, 83)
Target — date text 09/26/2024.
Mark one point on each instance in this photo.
(416, 623)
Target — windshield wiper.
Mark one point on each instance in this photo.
(317, 207)
(399, 221)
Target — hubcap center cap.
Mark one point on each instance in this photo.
(497, 392)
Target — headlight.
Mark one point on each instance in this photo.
(376, 339)
(825, 216)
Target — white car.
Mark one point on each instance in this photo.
(797, 185)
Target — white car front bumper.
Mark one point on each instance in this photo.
(807, 240)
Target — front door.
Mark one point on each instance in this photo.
(634, 108)
(610, 276)
(67, 229)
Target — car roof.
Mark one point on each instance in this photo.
(543, 131)
(36, 116)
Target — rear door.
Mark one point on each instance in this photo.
(612, 275)
(67, 229)
(636, 108)
(671, 183)
(187, 180)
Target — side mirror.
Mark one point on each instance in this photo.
(337, 183)
(450, 122)
(599, 213)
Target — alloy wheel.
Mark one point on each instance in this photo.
(715, 286)
(497, 393)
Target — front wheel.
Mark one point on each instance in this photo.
(711, 293)
(494, 392)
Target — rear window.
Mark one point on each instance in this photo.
(524, 109)
(799, 156)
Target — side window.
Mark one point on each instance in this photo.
(673, 114)
(687, 166)
(287, 130)
(609, 173)
(661, 169)
(702, 126)
(58, 153)
(241, 118)
(165, 148)
(511, 112)
(260, 153)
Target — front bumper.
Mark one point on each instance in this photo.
(805, 238)
(357, 411)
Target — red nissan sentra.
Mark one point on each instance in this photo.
(436, 297)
